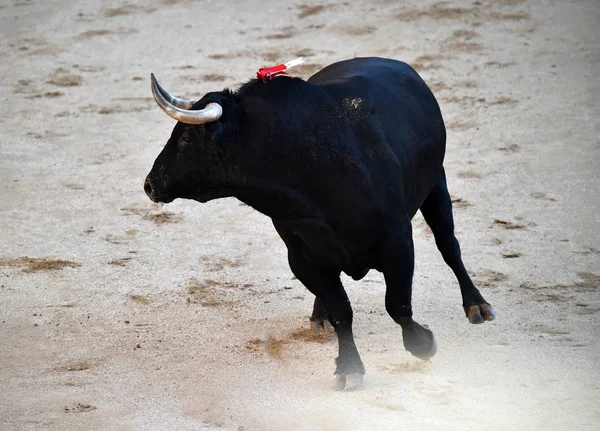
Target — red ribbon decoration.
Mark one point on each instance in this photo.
(268, 73)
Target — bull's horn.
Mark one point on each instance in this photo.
(212, 111)
(173, 100)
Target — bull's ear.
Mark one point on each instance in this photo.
(224, 98)
(229, 119)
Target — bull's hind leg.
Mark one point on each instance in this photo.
(437, 210)
(398, 269)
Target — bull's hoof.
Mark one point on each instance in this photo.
(419, 341)
(480, 313)
(349, 382)
(317, 325)
(348, 373)
(425, 351)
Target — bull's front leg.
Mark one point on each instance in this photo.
(398, 267)
(325, 284)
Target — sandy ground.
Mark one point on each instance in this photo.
(118, 315)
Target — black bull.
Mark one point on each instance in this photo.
(341, 163)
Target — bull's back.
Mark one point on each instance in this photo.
(396, 120)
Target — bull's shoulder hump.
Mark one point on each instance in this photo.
(361, 68)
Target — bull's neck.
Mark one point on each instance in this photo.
(277, 201)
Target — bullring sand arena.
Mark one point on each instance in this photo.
(118, 314)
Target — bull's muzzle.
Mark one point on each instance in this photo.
(149, 189)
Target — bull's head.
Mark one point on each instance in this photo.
(187, 166)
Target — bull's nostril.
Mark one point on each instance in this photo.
(148, 189)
